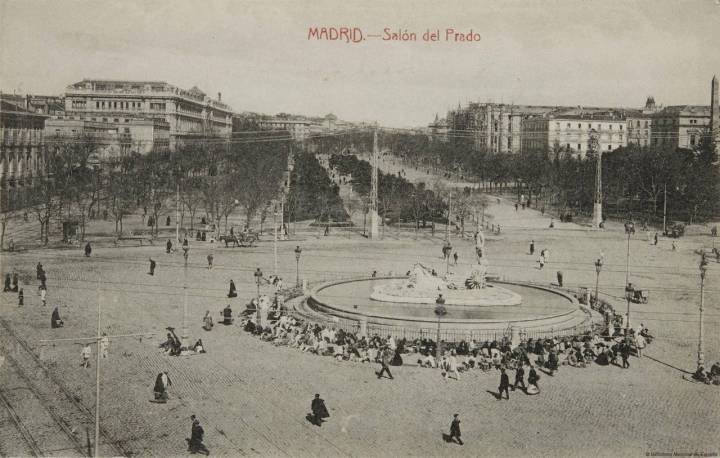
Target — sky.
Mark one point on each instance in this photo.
(258, 55)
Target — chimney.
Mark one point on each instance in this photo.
(219, 96)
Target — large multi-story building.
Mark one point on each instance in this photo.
(639, 123)
(22, 156)
(188, 113)
(571, 131)
(139, 135)
(681, 126)
(495, 127)
(299, 128)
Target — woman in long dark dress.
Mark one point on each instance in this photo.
(55, 320)
(233, 291)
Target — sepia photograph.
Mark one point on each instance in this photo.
(364, 228)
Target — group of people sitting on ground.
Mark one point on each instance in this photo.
(326, 340)
(11, 283)
(174, 347)
(711, 377)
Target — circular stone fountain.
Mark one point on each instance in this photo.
(476, 307)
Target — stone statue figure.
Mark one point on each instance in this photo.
(479, 245)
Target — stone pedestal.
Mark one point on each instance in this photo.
(597, 215)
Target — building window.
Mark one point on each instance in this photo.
(568, 125)
(579, 146)
(692, 140)
(646, 124)
(557, 125)
(104, 119)
(579, 126)
(589, 126)
(568, 146)
(127, 120)
(97, 104)
(610, 125)
(609, 147)
(621, 126)
(116, 120)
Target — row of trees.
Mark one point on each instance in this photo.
(312, 193)
(635, 179)
(210, 176)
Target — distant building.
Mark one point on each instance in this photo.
(639, 123)
(571, 132)
(22, 156)
(42, 104)
(681, 126)
(188, 113)
(139, 135)
(495, 127)
(299, 129)
(438, 129)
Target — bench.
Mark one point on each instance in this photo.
(139, 238)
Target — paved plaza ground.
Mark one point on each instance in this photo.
(252, 397)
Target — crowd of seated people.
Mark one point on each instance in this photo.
(174, 347)
(549, 354)
(324, 340)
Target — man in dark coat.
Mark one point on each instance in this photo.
(625, 354)
(88, 249)
(504, 385)
(233, 290)
(168, 247)
(7, 283)
(15, 281)
(195, 443)
(39, 270)
(319, 411)
(455, 429)
(152, 267)
(519, 377)
(532, 247)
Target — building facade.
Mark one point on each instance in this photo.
(299, 129)
(682, 126)
(188, 113)
(571, 132)
(22, 154)
(495, 127)
(639, 123)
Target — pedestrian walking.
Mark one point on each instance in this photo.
(8, 281)
(533, 378)
(233, 291)
(519, 377)
(385, 358)
(560, 278)
(21, 298)
(625, 355)
(168, 247)
(504, 385)
(455, 429)
(319, 411)
(152, 267)
(88, 249)
(85, 354)
(455, 256)
(197, 433)
(655, 239)
(104, 346)
(532, 247)
(43, 294)
(38, 270)
(516, 206)
(542, 262)
(15, 282)
(452, 366)
(210, 260)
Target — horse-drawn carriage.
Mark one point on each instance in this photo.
(675, 231)
(241, 239)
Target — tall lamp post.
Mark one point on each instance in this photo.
(440, 311)
(448, 252)
(258, 278)
(629, 230)
(701, 355)
(598, 268)
(298, 250)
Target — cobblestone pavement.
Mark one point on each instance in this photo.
(252, 397)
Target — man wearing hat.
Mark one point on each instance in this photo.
(319, 411)
(195, 443)
(504, 384)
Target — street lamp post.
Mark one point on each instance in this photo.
(598, 268)
(298, 250)
(440, 311)
(258, 277)
(275, 240)
(629, 230)
(448, 252)
(701, 355)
